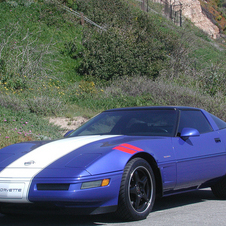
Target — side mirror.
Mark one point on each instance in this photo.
(189, 132)
(66, 134)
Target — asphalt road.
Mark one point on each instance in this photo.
(193, 208)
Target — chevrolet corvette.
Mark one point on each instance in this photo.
(119, 161)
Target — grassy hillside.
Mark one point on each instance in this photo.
(51, 65)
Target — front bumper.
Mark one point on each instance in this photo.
(63, 192)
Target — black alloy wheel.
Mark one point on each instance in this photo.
(137, 191)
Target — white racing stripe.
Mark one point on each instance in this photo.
(17, 173)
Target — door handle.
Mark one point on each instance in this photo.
(217, 140)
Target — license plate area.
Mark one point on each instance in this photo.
(11, 190)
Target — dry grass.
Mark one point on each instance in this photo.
(164, 92)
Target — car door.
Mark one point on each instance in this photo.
(199, 158)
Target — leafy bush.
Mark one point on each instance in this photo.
(133, 44)
(112, 54)
(43, 105)
(213, 80)
(12, 102)
(70, 3)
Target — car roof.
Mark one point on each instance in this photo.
(154, 108)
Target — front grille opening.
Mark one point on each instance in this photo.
(53, 187)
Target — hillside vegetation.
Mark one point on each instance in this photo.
(215, 10)
(51, 65)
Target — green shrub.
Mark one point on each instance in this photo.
(44, 105)
(12, 102)
(132, 45)
(113, 54)
(70, 3)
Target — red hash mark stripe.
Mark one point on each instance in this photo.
(132, 147)
(128, 148)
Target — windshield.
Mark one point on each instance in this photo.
(132, 123)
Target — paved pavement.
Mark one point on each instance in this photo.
(193, 208)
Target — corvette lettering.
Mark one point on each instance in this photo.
(10, 190)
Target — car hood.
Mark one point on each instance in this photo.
(83, 156)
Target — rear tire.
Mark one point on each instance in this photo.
(219, 189)
(137, 191)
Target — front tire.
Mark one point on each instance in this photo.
(219, 189)
(137, 190)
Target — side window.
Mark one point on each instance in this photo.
(194, 119)
(102, 126)
(220, 123)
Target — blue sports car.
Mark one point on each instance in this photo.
(119, 161)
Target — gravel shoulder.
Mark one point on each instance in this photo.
(68, 123)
